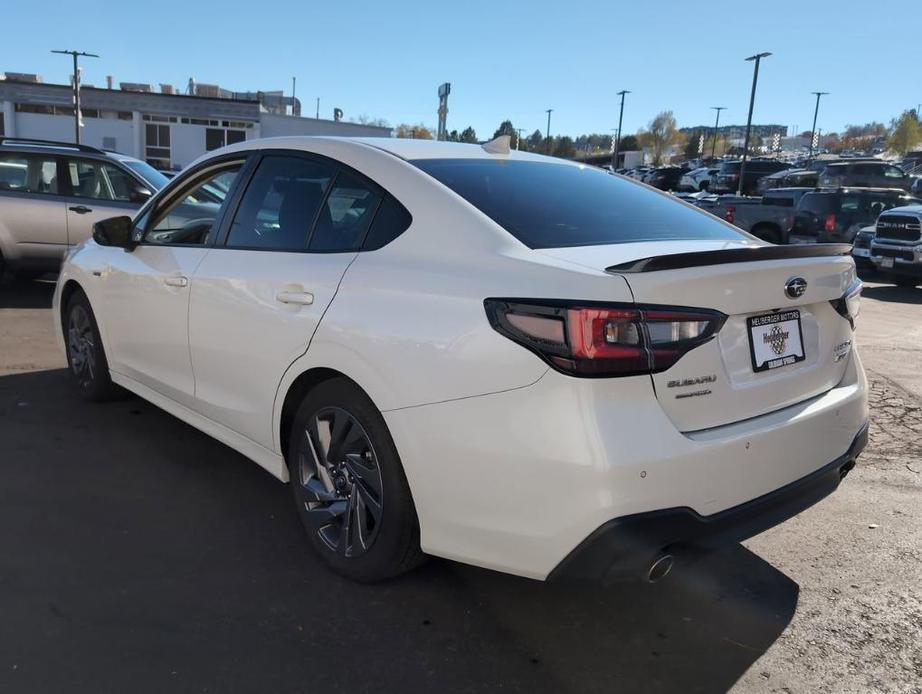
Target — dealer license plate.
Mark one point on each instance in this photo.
(775, 340)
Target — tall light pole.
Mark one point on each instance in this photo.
(547, 137)
(518, 136)
(816, 112)
(716, 126)
(77, 89)
(614, 155)
(752, 100)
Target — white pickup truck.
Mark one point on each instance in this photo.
(896, 249)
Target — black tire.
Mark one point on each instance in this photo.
(703, 186)
(358, 511)
(86, 357)
(767, 233)
(906, 282)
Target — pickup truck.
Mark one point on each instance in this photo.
(896, 249)
(769, 217)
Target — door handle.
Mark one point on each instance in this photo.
(80, 209)
(300, 298)
(176, 281)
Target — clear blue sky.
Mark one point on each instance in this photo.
(505, 59)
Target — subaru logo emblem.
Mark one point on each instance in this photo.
(795, 287)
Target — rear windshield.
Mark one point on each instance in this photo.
(819, 203)
(548, 205)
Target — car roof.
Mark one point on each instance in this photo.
(14, 144)
(403, 148)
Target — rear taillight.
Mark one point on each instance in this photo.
(731, 214)
(600, 340)
(849, 304)
(830, 224)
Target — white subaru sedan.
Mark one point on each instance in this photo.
(505, 359)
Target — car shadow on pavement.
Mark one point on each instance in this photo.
(900, 295)
(140, 555)
(16, 293)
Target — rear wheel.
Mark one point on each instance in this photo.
(89, 368)
(349, 486)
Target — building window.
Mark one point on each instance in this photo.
(109, 143)
(159, 119)
(157, 145)
(35, 108)
(2, 130)
(215, 138)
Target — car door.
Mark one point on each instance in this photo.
(97, 190)
(33, 225)
(258, 298)
(147, 290)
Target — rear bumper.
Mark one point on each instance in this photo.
(625, 548)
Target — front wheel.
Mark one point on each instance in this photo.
(349, 486)
(86, 357)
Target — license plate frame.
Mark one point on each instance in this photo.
(757, 323)
(887, 262)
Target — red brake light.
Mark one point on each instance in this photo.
(596, 340)
(830, 222)
(731, 214)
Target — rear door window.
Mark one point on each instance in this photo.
(28, 173)
(551, 205)
(281, 204)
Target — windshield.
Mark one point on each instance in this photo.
(548, 205)
(147, 172)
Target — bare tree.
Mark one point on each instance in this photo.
(660, 135)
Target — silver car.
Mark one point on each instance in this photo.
(51, 194)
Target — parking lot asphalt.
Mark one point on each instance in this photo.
(140, 555)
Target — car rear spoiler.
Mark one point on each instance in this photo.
(678, 261)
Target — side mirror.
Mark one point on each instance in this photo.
(115, 231)
(140, 194)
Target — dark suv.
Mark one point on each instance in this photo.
(825, 216)
(728, 178)
(869, 174)
(666, 178)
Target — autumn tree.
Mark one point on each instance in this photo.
(415, 132)
(905, 133)
(661, 134)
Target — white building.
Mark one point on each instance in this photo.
(166, 129)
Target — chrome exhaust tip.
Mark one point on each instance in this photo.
(660, 568)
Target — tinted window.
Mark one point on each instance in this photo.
(818, 203)
(391, 220)
(28, 174)
(189, 220)
(548, 205)
(280, 204)
(893, 172)
(345, 215)
(729, 168)
(99, 181)
(780, 201)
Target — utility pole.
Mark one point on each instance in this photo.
(293, 98)
(547, 138)
(76, 80)
(318, 108)
(816, 111)
(518, 138)
(716, 129)
(752, 100)
(614, 155)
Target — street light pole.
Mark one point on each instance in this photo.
(752, 100)
(74, 54)
(614, 155)
(518, 138)
(547, 137)
(716, 126)
(816, 112)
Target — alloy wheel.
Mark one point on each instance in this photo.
(81, 346)
(341, 482)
